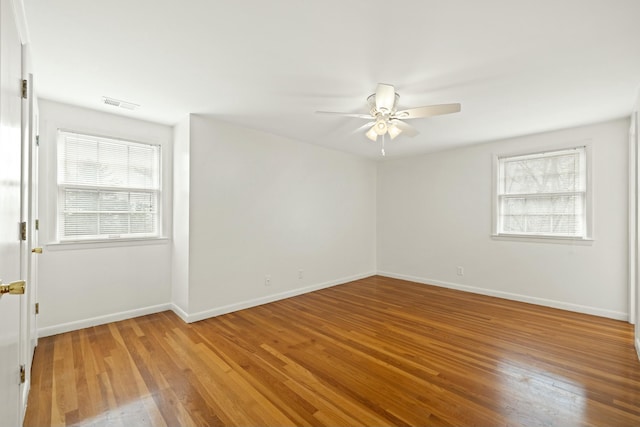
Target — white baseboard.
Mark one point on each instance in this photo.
(101, 320)
(217, 311)
(617, 315)
(189, 318)
(180, 313)
(638, 347)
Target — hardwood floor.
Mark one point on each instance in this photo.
(377, 351)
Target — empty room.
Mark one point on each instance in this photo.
(319, 213)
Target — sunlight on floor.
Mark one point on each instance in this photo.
(528, 389)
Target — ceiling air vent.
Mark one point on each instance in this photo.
(119, 103)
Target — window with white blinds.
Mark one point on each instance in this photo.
(543, 194)
(107, 188)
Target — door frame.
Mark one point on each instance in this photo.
(634, 223)
(633, 218)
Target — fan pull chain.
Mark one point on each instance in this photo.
(383, 145)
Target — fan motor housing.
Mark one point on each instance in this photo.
(373, 110)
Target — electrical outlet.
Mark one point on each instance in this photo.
(300, 274)
(460, 271)
(267, 280)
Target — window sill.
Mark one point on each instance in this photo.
(97, 244)
(544, 239)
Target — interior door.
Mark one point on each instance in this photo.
(10, 205)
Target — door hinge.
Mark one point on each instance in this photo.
(24, 89)
(23, 231)
(37, 308)
(37, 225)
(23, 374)
(38, 140)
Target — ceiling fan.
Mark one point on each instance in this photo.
(386, 119)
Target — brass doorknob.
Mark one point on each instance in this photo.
(36, 250)
(13, 288)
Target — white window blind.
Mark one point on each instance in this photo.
(107, 188)
(543, 194)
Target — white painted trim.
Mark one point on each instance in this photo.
(190, 318)
(105, 243)
(633, 243)
(180, 312)
(638, 347)
(543, 239)
(101, 320)
(25, 399)
(495, 189)
(633, 234)
(618, 315)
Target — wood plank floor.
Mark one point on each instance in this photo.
(375, 352)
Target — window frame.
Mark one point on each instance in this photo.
(127, 239)
(531, 237)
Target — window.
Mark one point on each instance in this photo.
(107, 188)
(543, 194)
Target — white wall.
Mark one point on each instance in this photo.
(434, 214)
(181, 184)
(264, 205)
(86, 284)
(250, 204)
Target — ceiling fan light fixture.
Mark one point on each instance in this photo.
(380, 127)
(386, 119)
(372, 134)
(393, 130)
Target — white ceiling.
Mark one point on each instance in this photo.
(516, 66)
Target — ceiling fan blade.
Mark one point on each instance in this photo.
(363, 127)
(385, 97)
(333, 113)
(428, 111)
(406, 128)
